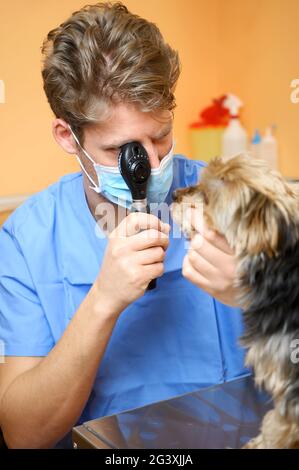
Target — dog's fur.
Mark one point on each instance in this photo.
(258, 213)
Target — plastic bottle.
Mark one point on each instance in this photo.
(269, 150)
(234, 140)
(256, 143)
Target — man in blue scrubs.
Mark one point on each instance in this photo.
(83, 336)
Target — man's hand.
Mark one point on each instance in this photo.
(211, 264)
(134, 256)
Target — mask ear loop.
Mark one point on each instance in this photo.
(94, 187)
(164, 161)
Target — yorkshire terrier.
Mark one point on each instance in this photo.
(257, 211)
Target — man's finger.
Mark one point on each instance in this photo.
(148, 238)
(214, 238)
(137, 221)
(194, 276)
(208, 250)
(201, 265)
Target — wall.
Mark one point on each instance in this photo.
(30, 158)
(258, 48)
(249, 47)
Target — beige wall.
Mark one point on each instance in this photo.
(30, 159)
(258, 57)
(246, 46)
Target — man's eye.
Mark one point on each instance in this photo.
(164, 136)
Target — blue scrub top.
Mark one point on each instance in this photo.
(173, 340)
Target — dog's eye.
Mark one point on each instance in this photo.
(205, 197)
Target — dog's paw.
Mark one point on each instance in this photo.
(255, 443)
(181, 214)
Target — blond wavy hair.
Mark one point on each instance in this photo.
(103, 55)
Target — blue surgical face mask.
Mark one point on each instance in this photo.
(114, 188)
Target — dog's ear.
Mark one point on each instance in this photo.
(259, 228)
(268, 225)
(264, 207)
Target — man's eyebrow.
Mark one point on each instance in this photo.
(164, 131)
(113, 145)
(116, 144)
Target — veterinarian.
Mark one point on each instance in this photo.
(83, 336)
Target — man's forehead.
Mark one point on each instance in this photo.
(119, 140)
(117, 132)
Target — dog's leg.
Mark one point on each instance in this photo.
(276, 433)
(255, 443)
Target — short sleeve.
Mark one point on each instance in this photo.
(24, 329)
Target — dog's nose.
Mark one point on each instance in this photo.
(174, 195)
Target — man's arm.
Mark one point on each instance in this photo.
(42, 398)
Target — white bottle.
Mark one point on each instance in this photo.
(256, 144)
(234, 139)
(269, 151)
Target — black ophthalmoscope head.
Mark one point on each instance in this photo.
(135, 168)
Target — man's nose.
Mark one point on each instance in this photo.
(153, 156)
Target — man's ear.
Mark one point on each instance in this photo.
(63, 136)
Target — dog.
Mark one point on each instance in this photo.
(257, 211)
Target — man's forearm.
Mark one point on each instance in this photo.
(41, 405)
